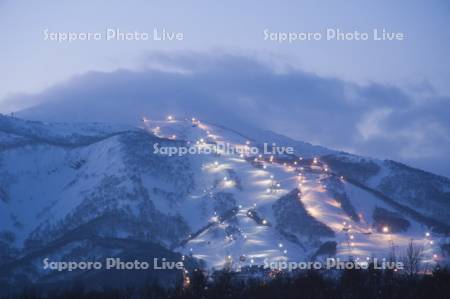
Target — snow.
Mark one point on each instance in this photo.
(262, 242)
(43, 186)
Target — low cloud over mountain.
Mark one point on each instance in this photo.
(377, 120)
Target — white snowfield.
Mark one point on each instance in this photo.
(228, 206)
(253, 242)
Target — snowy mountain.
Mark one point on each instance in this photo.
(79, 191)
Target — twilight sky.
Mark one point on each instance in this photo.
(387, 99)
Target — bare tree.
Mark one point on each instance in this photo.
(412, 259)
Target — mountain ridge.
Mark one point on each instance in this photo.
(116, 187)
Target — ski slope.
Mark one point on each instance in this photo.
(253, 242)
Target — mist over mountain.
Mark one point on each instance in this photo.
(224, 149)
(235, 90)
(80, 178)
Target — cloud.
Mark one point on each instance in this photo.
(369, 127)
(376, 120)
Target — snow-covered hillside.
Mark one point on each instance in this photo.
(64, 187)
